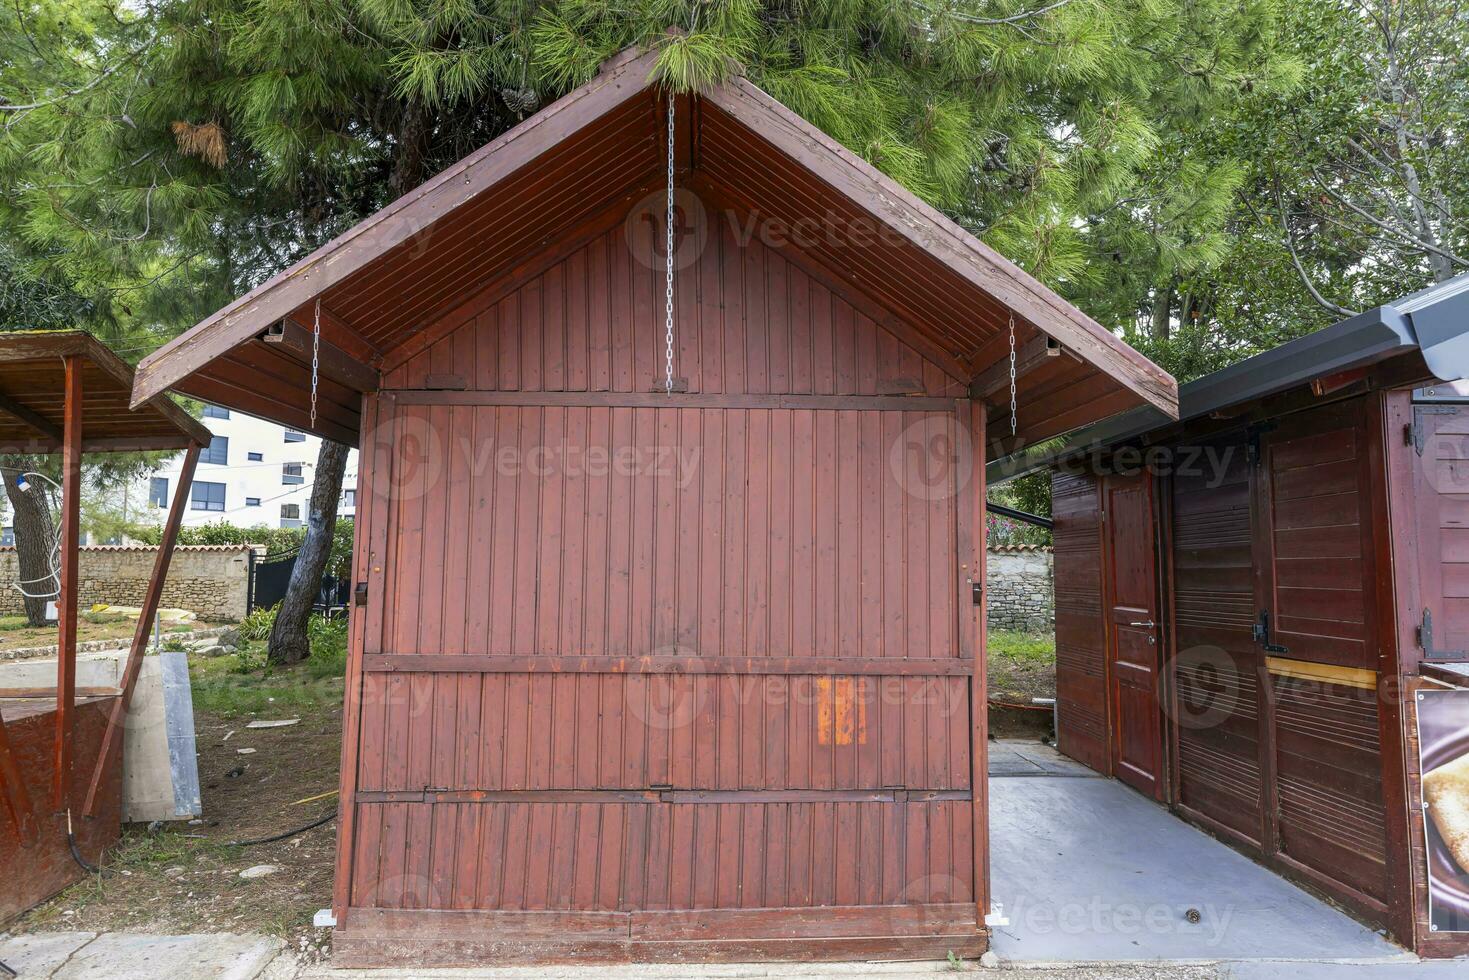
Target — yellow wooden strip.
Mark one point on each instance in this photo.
(1323, 673)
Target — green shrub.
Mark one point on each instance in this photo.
(328, 647)
(277, 540)
(258, 624)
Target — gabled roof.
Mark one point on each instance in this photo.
(33, 394)
(1433, 323)
(574, 170)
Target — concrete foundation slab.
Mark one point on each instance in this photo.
(1088, 870)
(133, 956)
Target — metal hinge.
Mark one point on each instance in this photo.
(1425, 641)
(359, 594)
(1261, 633)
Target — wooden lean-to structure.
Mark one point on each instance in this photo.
(63, 392)
(1250, 599)
(668, 642)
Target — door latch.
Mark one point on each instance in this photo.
(976, 592)
(1261, 633)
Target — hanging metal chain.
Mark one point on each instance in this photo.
(668, 255)
(315, 358)
(1012, 374)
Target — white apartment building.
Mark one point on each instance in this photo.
(254, 472)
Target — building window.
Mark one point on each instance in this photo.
(349, 498)
(215, 412)
(255, 457)
(158, 491)
(207, 496)
(291, 474)
(252, 501)
(218, 451)
(293, 436)
(290, 515)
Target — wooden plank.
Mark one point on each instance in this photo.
(691, 664)
(660, 399)
(972, 534)
(995, 379)
(49, 693)
(332, 361)
(1357, 677)
(66, 601)
(30, 417)
(151, 597)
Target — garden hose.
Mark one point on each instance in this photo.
(286, 835)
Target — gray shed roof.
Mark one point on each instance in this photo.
(1434, 321)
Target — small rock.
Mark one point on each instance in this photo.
(245, 751)
(282, 723)
(229, 637)
(989, 960)
(177, 871)
(213, 650)
(259, 871)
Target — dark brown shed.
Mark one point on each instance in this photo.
(1250, 599)
(652, 674)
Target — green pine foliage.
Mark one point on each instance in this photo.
(177, 152)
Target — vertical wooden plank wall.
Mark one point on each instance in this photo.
(1081, 644)
(629, 655)
(1424, 524)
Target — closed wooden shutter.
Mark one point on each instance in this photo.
(1081, 631)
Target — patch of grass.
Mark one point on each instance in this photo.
(13, 623)
(244, 683)
(1018, 647)
(99, 618)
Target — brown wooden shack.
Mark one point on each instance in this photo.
(1248, 600)
(63, 392)
(650, 674)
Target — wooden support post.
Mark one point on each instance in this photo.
(972, 506)
(66, 602)
(113, 733)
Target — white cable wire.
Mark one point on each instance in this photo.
(53, 560)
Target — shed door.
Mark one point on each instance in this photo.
(1317, 586)
(1137, 743)
(661, 659)
(1440, 438)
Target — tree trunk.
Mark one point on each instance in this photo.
(35, 539)
(1162, 311)
(289, 643)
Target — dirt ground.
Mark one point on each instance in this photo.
(1021, 666)
(185, 878)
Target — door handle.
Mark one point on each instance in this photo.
(1145, 624)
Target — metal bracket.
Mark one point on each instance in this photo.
(1414, 432)
(1425, 640)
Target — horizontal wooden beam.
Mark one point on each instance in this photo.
(335, 363)
(555, 664)
(659, 399)
(43, 693)
(996, 378)
(886, 794)
(30, 417)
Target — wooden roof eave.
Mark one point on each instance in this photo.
(41, 345)
(960, 257)
(932, 232)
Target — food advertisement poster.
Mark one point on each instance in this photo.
(1443, 747)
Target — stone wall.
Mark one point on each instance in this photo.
(211, 580)
(1020, 589)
